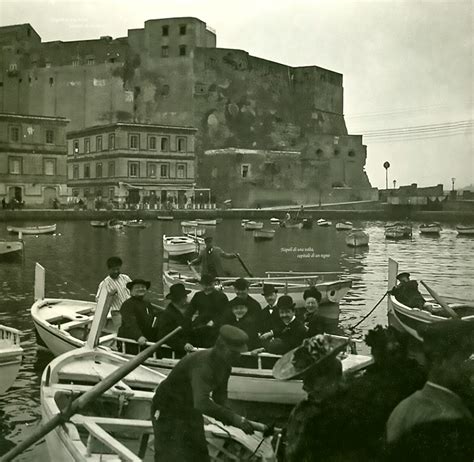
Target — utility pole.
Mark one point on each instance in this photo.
(386, 166)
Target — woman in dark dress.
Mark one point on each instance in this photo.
(313, 322)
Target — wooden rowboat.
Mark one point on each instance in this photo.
(465, 230)
(135, 224)
(253, 225)
(322, 222)
(164, 217)
(344, 226)
(98, 224)
(291, 224)
(206, 222)
(115, 224)
(11, 355)
(46, 229)
(430, 228)
(357, 238)
(264, 234)
(11, 247)
(178, 246)
(194, 230)
(275, 221)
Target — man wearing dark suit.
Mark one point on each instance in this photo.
(241, 287)
(269, 320)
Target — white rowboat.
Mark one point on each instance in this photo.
(431, 228)
(322, 222)
(177, 246)
(253, 225)
(264, 234)
(11, 355)
(465, 230)
(345, 226)
(46, 229)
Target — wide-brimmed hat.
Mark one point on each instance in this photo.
(207, 279)
(269, 289)
(313, 352)
(285, 302)
(403, 275)
(177, 291)
(235, 338)
(130, 284)
(241, 284)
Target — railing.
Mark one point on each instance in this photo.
(10, 335)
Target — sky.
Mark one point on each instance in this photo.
(407, 65)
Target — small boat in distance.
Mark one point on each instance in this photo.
(430, 228)
(11, 247)
(274, 221)
(46, 229)
(264, 234)
(357, 238)
(11, 355)
(398, 231)
(135, 224)
(194, 230)
(322, 222)
(204, 222)
(465, 230)
(164, 217)
(115, 224)
(98, 224)
(291, 224)
(179, 246)
(344, 226)
(253, 225)
(243, 221)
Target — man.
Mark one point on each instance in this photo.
(407, 292)
(175, 315)
(240, 317)
(269, 318)
(138, 320)
(210, 258)
(116, 285)
(185, 395)
(241, 288)
(206, 310)
(435, 423)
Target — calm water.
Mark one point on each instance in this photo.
(75, 263)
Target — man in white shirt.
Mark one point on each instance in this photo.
(116, 285)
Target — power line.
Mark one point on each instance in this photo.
(419, 137)
(420, 128)
(402, 111)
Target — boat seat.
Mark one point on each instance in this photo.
(111, 423)
(69, 325)
(107, 338)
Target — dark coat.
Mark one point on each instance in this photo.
(250, 302)
(209, 307)
(210, 261)
(248, 324)
(287, 338)
(408, 294)
(269, 322)
(170, 319)
(137, 320)
(314, 324)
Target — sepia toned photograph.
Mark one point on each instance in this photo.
(236, 231)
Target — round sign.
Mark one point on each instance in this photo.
(386, 165)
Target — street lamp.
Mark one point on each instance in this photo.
(394, 184)
(386, 166)
(452, 182)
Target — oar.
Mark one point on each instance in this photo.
(244, 266)
(87, 397)
(191, 267)
(443, 304)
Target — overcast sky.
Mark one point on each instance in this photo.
(406, 64)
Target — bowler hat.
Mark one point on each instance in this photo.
(241, 284)
(207, 279)
(138, 281)
(312, 353)
(403, 275)
(235, 338)
(177, 291)
(269, 289)
(285, 302)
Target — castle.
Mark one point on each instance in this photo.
(171, 73)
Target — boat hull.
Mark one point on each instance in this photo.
(179, 246)
(433, 230)
(10, 247)
(98, 224)
(49, 229)
(359, 239)
(344, 227)
(253, 225)
(11, 355)
(264, 234)
(465, 230)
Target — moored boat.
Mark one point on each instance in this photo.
(297, 224)
(344, 226)
(264, 234)
(253, 225)
(465, 230)
(135, 224)
(322, 222)
(179, 246)
(164, 217)
(206, 222)
(243, 221)
(98, 224)
(193, 230)
(11, 355)
(357, 238)
(46, 229)
(274, 221)
(430, 228)
(10, 247)
(398, 230)
(115, 224)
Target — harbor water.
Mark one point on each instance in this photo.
(74, 259)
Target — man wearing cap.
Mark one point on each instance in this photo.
(138, 320)
(407, 292)
(206, 310)
(241, 288)
(116, 285)
(269, 318)
(176, 315)
(197, 385)
(210, 258)
(435, 423)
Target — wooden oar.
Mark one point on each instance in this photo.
(191, 267)
(244, 266)
(87, 397)
(443, 304)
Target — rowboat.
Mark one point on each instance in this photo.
(264, 234)
(206, 222)
(398, 231)
(164, 217)
(252, 225)
(394, 233)
(190, 223)
(115, 224)
(11, 247)
(135, 224)
(46, 229)
(331, 291)
(344, 226)
(413, 320)
(465, 230)
(243, 221)
(193, 230)
(357, 238)
(274, 221)
(98, 224)
(178, 246)
(11, 355)
(430, 228)
(322, 222)
(291, 224)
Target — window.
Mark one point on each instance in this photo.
(111, 193)
(182, 50)
(165, 90)
(75, 192)
(182, 29)
(152, 143)
(87, 171)
(245, 170)
(133, 141)
(90, 61)
(98, 170)
(12, 67)
(49, 136)
(351, 154)
(75, 147)
(75, 62)
(15, 166)
(182, 144)
(111, 169)
(86, 192)
(165, 52)
(51, 81)
(49, 166)
(112, 141)
(164, 170)
(98, 191)
(75, 172)
(47, 64)
(336, 152)
(87, 145)
(152, 170)
(15, 134)
(164, 144)
(181, 171)
(98, 143)
(165, 30)
(133, 169)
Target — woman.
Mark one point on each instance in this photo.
(238, 315)
(313, 322)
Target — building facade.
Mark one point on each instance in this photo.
(128, 163)
(171, 72)
(33, 160)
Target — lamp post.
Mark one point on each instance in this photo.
(394, 184)
(386, 166)
(452, 182)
